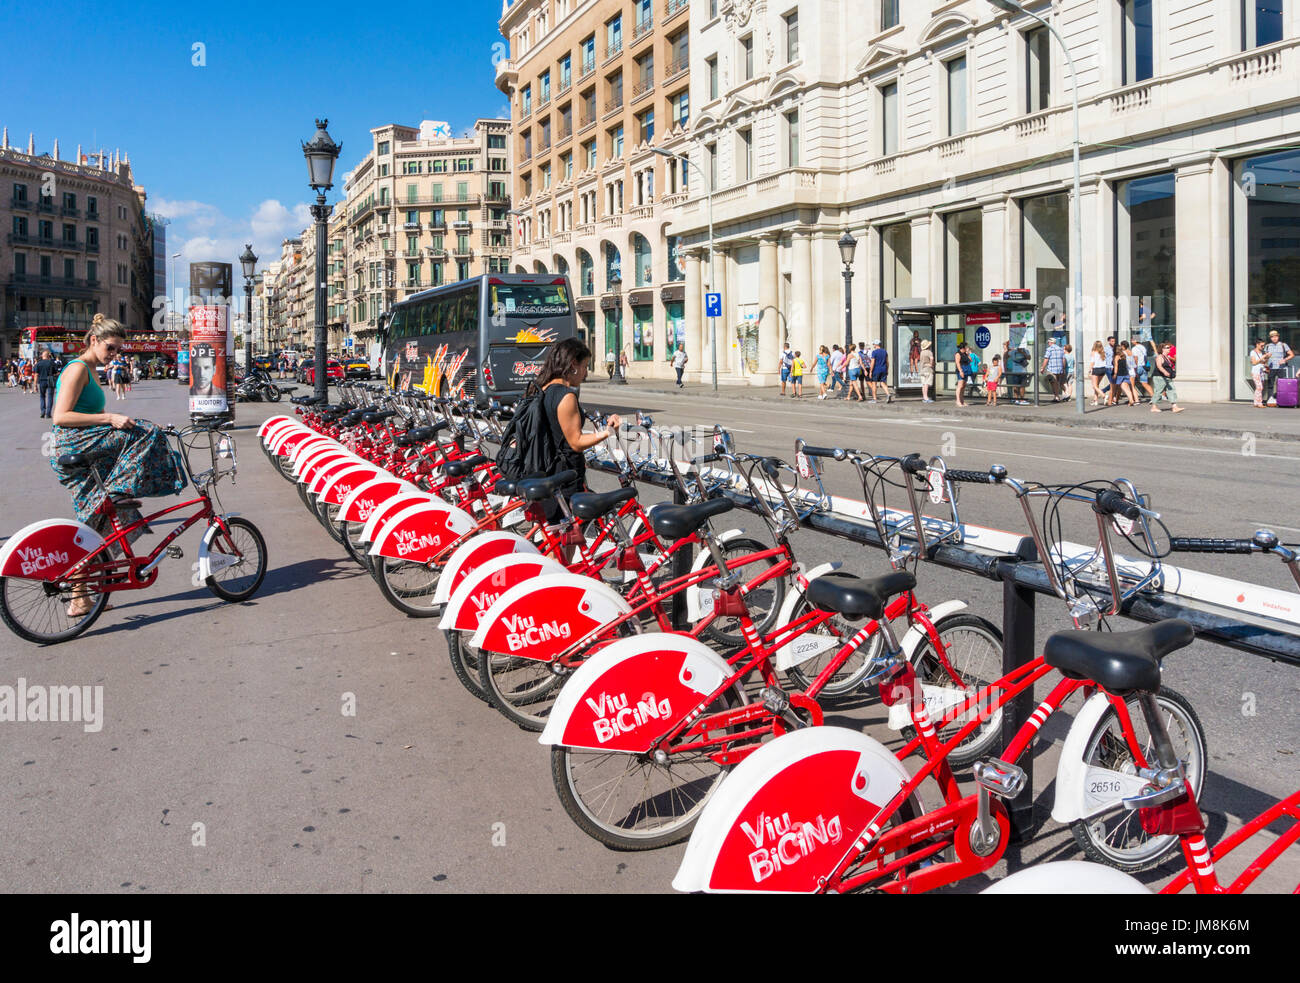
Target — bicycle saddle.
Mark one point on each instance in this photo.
(679, 521)
(1120, 661)
(858, 597)
(378, 417)
(507, 488)
(464, 466)
(536, 489)
(73, 461)
(592, 505)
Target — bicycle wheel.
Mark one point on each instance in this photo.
(241, 579)
(764, 602)
(37, 610)
(848, 677)
(328, 514)
(407, 586)
(1115, 837)
(349, 536)
(524, 690)
(973, 649)
(630, 801)
(465, 663)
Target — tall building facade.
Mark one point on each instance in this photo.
(941, 139)
(78, 241)
(594, 85)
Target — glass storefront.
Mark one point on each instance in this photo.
(1266, 258)
(613, 320)
(895, 282)
(1145, 248)
(963, 283)
(643, 333)
(675, 313)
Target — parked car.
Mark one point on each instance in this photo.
(333, 371)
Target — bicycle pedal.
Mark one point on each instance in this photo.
(1000, 778)
(774, 700)
(175, 552)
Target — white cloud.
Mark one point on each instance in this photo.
(201, 232)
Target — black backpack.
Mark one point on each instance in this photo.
(528, 447)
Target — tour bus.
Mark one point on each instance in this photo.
(484, 337)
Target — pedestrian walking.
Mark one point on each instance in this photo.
(45, 381)
(796, 375)
(1123, 376)
(1258, 370)
(837, 369)
(622, 365)
(787, 361)
(1070, 365)
(823, 366)
(926, 367)
(1054, 367)
(853, 369)
(680, 359)
(1165, 370)
(1138, 371)
(879, 359)
(1097, 358)
(1279, 354)
(609, 364)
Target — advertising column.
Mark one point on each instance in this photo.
(211, 345)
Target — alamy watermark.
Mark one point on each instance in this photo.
(34, 703)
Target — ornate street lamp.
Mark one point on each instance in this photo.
(615, 284)
(321, 154)
(249, 262)
(848, 245)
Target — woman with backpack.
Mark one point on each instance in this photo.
(1164, 379)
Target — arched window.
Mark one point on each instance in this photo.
(561, 266)
(586, 274)
(613, 266)
(642, 260)
(539, 266)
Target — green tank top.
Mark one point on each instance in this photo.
(91, 399)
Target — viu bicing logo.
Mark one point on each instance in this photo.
(75, 936)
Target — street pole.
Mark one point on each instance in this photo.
(848, 310)
(320, 212)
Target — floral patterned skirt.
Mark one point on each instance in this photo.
(137, 462)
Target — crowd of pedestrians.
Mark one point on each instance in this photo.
(842, 373)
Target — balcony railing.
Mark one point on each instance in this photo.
(672, 7)
(23, 203)
(462, 224)
(563, 134)
(614, 50)
(585, 122)
(543, 100)
(411, 226)
(612, 106)
(69, 212)
(463, 252)
(676, 67)
(587, 69)
(544, 145)
(641, 28)
(92, 247)
(564, 86)
(646, 84)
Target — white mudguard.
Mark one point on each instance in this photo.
(699, 600)
(209, 562)
(475, 551)
(938, 699)
(633, 690)
(271, 423)
(287, 440)
(419, 534)
(326, 476)
(343, 483)
(369, 495)
(790, 812)
(319, 473)
(305, 468)
(1068, 877)
(810, 643)
(543, 617)
(483, 586)
(390, 510)
(311, 447)
(45, 549)
(1083, 791)
(268, 434)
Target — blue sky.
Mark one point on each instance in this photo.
(217, 146)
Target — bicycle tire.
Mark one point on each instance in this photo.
(32, 608)
(465, 664)
(327, 514)
(764, 603)
(976, 669)
(523, 690)
(407, 586)
(349, 533)
(249, 539)
(848, 678)
(670, 815)
(1106, 748)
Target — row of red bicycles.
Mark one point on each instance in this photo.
(681, 675)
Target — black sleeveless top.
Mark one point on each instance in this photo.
(568, 458)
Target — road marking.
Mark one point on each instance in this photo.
(1041, 457)
(1271, 525)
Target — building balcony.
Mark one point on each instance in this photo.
(35, 283)
(674, 7)
(525, 112)
(44, 204)
(587, 70)
(613, 51)
(437, 254)
(92, 215)
(543, 101)
(525, 155)
(412, 284)
(22, 204)
(642, 29)
(437, 225)
(563, 134)
(586, 122)
(92, 247)
(543, 146)
(462, 224)
(411, 226)
(643, 87)
(496, 197)
(612, 107)
(677, 68)
(564, 86)
(68, 212)
(465, 253)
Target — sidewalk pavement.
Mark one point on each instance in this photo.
(1207, 419)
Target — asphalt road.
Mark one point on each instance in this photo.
(231, 716)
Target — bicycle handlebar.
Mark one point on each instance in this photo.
(1183, 544)
(970, 477)
(837, 453)
(913, 464)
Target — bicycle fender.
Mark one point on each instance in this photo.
(543, 617)
(695, 595)
(482, 586)
(302, 459)
(342, 483)
(808, 644)
(269, 434)
(629, 693)
(1068, 877)
(474, 552)
(45, 549)
(1082, 791)
(421, 533)
(297, 444)
(309, 464)
(938, 699)
(210, 563)
(286, 441)
(789, 813)
(271, 423)
(323, 472)
(366, 497)
(386, 511)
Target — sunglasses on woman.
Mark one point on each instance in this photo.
(112, 349)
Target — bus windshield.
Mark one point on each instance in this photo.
(529, 299)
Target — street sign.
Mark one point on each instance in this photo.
(982, 337)
(713, 305)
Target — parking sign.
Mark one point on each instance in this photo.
(713, 305)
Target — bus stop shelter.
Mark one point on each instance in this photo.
(983, 324)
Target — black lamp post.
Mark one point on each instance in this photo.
(321, 153)
(847, 246)
(615, 283)
(249, 262)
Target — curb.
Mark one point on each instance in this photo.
(951, 411)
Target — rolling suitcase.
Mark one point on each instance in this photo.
(1288, 392)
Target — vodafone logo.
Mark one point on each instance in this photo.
(35, 560)
(780, 843)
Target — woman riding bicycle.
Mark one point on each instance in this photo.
(132, 458)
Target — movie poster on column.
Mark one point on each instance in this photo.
(208, 348)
